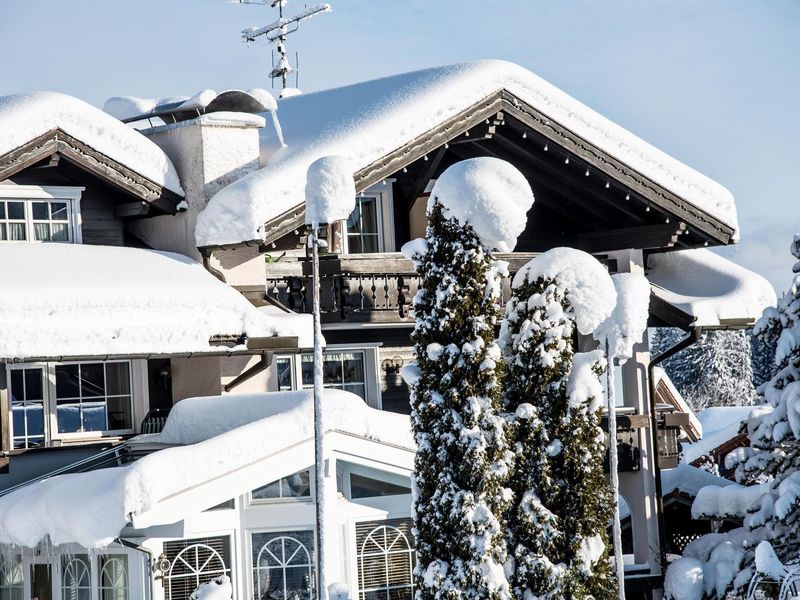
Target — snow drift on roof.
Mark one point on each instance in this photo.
(720, 424)
(224, 433)
(689, 480)
(24, 117)
(708, 286)
(74, 300)
(366, 121)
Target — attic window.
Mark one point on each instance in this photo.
(40, 214)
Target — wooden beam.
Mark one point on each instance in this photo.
(643, 237)
(131, 209)
(426, 175)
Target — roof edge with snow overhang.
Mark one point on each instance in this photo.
(418, 112)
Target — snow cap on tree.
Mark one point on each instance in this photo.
(628, 322)
(330, 190)
(591, 292)
(488, 194)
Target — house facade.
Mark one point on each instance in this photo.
(237, 212)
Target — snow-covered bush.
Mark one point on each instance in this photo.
(216, 589)
(562, 502)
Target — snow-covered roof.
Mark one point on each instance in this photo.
(67, 300)
(676, 399)
(366, 121)
(224, 437)
(689, 480)
(24, 117)
(720, 424)
(713, 289)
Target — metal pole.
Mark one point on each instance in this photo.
(613, 462)
(319, 464)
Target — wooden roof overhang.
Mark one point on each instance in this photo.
(647, 215)
(56, 142)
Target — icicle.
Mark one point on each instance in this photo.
(277, 124)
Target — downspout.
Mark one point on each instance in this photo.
(150, 562)
(206, 254)
(693, 337)
(261, 365)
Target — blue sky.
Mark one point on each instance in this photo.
(714, 83)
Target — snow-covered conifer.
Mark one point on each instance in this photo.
(462, 459)
(562, 502)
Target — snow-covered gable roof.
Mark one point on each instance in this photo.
(720, 425)
(238, 442)
(366, 121)
(70, 300)
(715, 290)
(25, 117)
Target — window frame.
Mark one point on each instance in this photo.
(384, 209)
(253, 501)
(388, 522)
(29, 194)
(137, 371)
(278, 533)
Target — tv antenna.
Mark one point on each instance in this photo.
(276, 32)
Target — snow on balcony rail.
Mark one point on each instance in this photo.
(221, 436)
(72, 300)
(366, 121)
(24, 117)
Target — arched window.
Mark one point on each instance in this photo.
(283, 566)
(192, 564)
(385, 560)
(113, 577)
(10, 581)
(76, 579)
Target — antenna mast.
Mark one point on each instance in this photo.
(277, 31)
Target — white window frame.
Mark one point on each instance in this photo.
(32, 193)
(384, 208)
(356, 590)
(139, 399)
(278, 532)
(288, 499)
(371, 369)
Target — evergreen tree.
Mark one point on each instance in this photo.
(715, 371)
(562, 502)
(762, 352)
(462, 461)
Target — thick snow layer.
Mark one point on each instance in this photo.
(708, 286)
(684, 580)
(584, 386)
(233, 118)
(720, 424)
(221, 435)
(368, 120)
(131, 107)
(330, 190)
(689, 480)
(489, 194)
(767, 562)
(216, 589)
(24, 117)
(75, 300)
(730, 501)
(591, 291)
(628, 322)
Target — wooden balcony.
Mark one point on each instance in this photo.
(359, 288)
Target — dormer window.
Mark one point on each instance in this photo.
(370, 227)
(31, 213)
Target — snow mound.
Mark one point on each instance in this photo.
(690, 480)
(74, 300)
(216, 589)
(368, 120)
(222, 435)
(706, 285)
(591, 292)
(330, 190)
(720, 424)
(130, 107)
(24, 117)
(489, 194)
(627, 323)
(733, 501)
(684, 580)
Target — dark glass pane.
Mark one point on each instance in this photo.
(118, 379)
(18, 418)
(369, 216)
(16, 210)
(354, 244)
(2, 210)
(119, 413)
(284, 369)
(35, 416)
(307, 368)
(3, 233)
(332, 368)
(59, 232)
(92, 380)
(41, 211)
(297, 485)
(94, 416)
(366, 487)
(68, 416)
(354, 220)
(17, 386)
(353, 366)
(67, 385)
(369, 243)
(34, 387)
(58, 211)
(269, 491)
(297, 582)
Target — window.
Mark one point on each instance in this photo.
(283, 565)
(83, 397)
(113, 577)
(39, 214)
(296, 486)
(367, 487)
(76, 580)
(11, 584)
(385, 560)
(370, 227)
(193, 562)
